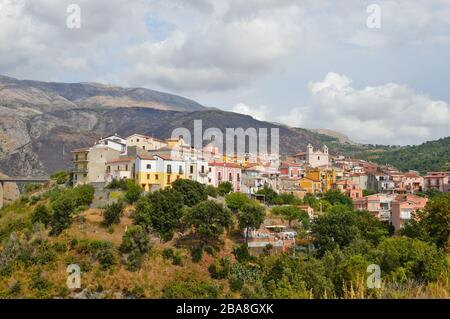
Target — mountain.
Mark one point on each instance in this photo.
(41, 122)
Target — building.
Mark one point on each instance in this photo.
(115, 142)
(154, 172)
(89, 164)
(197, 169)
(225, 172)
(325, 175)
(404, 207)
(439, 181)
(413, 182)
(120, 168)
(349, 188)
(378, 204)
(310, 185)
(145, 142)
(291, 170)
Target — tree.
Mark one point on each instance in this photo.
(402, 257)
(61, 177)
(251, 215)
(142, 212)
(269, 194)
(82, 195)
(112, 213)
(208, 219)
(133, 191)
(41, 214)
(135, 243)
(340, 226)
(225, 188)
(336, 197)
(211, 191)
(62, 214)
(165, 212)
(193, 192)
(433, 223)
(290, 213)
(235, 201)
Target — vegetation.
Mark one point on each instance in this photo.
(292, 213)
(135, 244)
(251, 215)
(193, 192)
(224, 188)
(112, 213)
(61, 177)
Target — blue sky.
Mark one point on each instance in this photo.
(306, 63)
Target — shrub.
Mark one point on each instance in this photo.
(82, 195)
(41, 214)
(235, 201)
(191, 288)
(117, 184)
(112, 214)
(135, 243)
(168, 253)
(193, 192)
(220, 270)
(197, 254)
(62, 214)
(133, 191)
(61, 177)
(224, 188)
(211, 191)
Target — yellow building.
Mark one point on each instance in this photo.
(326, 176)
(155, 172)
(310, 185)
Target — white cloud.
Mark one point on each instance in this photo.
(259, 113)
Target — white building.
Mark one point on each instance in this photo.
(317, 158)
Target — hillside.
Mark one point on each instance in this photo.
(429, 156)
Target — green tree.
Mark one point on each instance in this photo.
(251, 215)
(208, 219)
(62, 209)
(135, 244)
(166, 210)
(112, 213)
(269, 194)
(61, 177)
(133, 191)
(336, 197)
(235, 201)
(433, 223)
(340, 226)
(211, 191)
(41, 214)
(193, 192)
(82, 195)
(290, 213)
(224, 188)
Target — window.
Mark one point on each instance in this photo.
(156, 177)
(85, 156)
(168, 179)
(76, 157)
(209, 180)
(108, 169)
(143, 147)
(191, 169)
(178, 176)
(238, 177)
(169, 169)
(137, 140)
(318, 158)
(149, 166)
(219, 176)
(203, 169)
(210, 169)
(230, 177)
(126, 167)
(148, 176)
(180, 169)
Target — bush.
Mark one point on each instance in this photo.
(197, 254)
(117, 184)
(82, 195)
(41, 214)
(211, 191)
(61, 177)
(133, 192)
(135, 243)
(224, 188)
(220, 270)
(193, 192)
(112, 214)
(168, 253)
(235, 201)
(191, 288)
(62, 214)
(242, 254)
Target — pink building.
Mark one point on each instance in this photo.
(220, 172)
(350, 188)
(439, 181)
(291, 170)
(404, 208)
(378, 204)
(413, 182)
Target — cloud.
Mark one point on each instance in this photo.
(385, 114)
(389, 113)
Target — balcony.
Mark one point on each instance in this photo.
(385, 215)
(79, 170)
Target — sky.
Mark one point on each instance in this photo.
(377, 71)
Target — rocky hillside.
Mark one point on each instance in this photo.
(40, 123)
